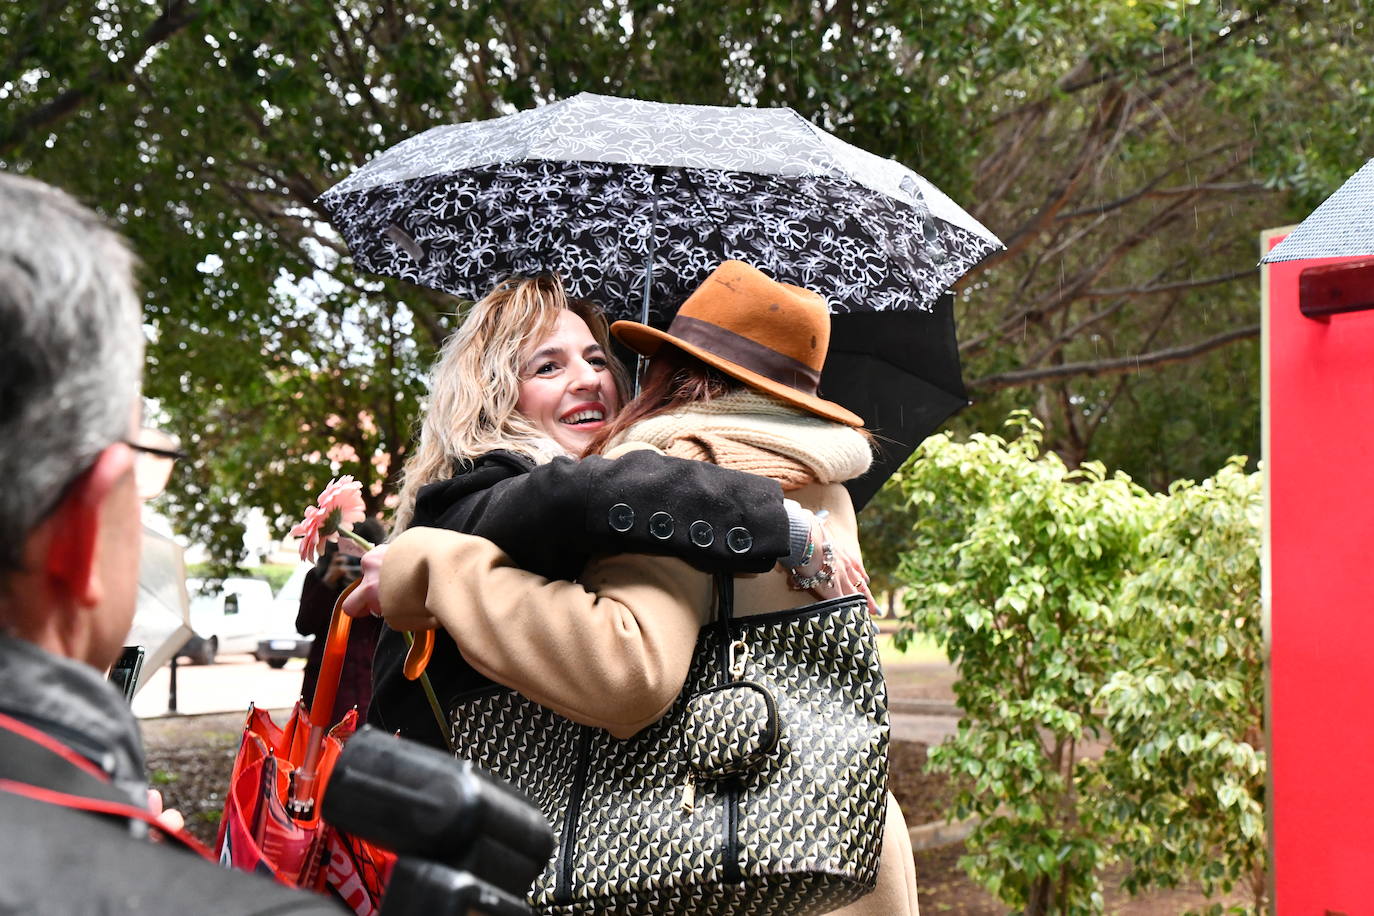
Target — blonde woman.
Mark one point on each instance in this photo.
(732, 383)
(517, 394)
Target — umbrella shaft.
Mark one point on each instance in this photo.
(301, 804)
(641, 363)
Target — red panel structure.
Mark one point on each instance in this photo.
(1319, 572)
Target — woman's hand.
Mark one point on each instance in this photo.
(851, 578)
(367, 597)
(847, 574)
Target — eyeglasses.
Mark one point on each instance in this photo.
(157, 452)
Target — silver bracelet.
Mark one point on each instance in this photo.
(824, 576)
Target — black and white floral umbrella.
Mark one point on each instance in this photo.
(604, 190)
(633, 203)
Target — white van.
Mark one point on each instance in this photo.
(283, 643)
(230, 619)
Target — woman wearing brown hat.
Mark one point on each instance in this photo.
(518, 392)
(733, 382)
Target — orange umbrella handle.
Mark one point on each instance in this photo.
(301, 802)
(417, 656)
(331, 665)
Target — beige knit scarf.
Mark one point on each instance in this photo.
(750, 431)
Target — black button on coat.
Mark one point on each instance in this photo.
(551, 519)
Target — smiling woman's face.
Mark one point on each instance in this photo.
(566, 386)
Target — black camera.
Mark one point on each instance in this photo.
(466, 842)
(128, 668)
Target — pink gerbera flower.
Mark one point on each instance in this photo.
(338, 509)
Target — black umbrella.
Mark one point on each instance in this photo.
(900, 372)
(633, 203)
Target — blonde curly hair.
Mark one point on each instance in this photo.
(475, 383)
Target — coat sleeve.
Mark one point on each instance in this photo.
(643, 502)
(610, 651)
(316, 605)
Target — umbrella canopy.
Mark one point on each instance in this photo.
(162, 618)
(606, 191)
(634, 203)
(1342, 227)
(900, 372)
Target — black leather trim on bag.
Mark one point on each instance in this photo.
(563, 890)
(790, 615)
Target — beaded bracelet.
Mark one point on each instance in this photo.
(824, 576)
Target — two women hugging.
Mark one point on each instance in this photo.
(563, 542)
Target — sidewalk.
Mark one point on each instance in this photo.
(921, 701)
(229, 685)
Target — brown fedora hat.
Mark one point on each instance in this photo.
(772, 336)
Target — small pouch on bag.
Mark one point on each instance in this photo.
(730, 730)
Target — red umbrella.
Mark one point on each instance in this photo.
(271, 823)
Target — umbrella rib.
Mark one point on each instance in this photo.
(689, 182)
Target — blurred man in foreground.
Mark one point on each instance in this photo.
(76, 828)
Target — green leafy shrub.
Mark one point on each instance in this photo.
(1084, 611)
(1183, 780)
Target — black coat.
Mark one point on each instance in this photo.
(553, 518)
(64, 730)
(313, 614)
(55, 861)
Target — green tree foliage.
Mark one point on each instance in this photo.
(1015, 568)
(1084, 611)
(1128, 154)
(1183, 779)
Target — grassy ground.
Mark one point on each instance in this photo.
(921, 650)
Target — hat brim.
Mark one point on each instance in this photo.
(649, 341)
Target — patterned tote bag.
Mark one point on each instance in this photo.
(763, 789)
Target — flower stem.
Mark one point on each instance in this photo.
(360, 541)
(433, 702)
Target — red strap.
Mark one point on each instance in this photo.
(52, 745)
(99, 806)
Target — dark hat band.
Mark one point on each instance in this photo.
(746, 353)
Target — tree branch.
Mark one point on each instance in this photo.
(1110, 110)
(1147, 290)
(1025, 377)
(174, 17)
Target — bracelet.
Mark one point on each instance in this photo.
(824, 576)
(808, 553)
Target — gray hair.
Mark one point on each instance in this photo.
(71, 350)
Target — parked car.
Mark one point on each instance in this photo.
(229, 619)
(284, 643)
(278, 650)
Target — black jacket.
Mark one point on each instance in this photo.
(55, 859)
(553, 518)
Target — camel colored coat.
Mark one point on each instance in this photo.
(611, 650)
